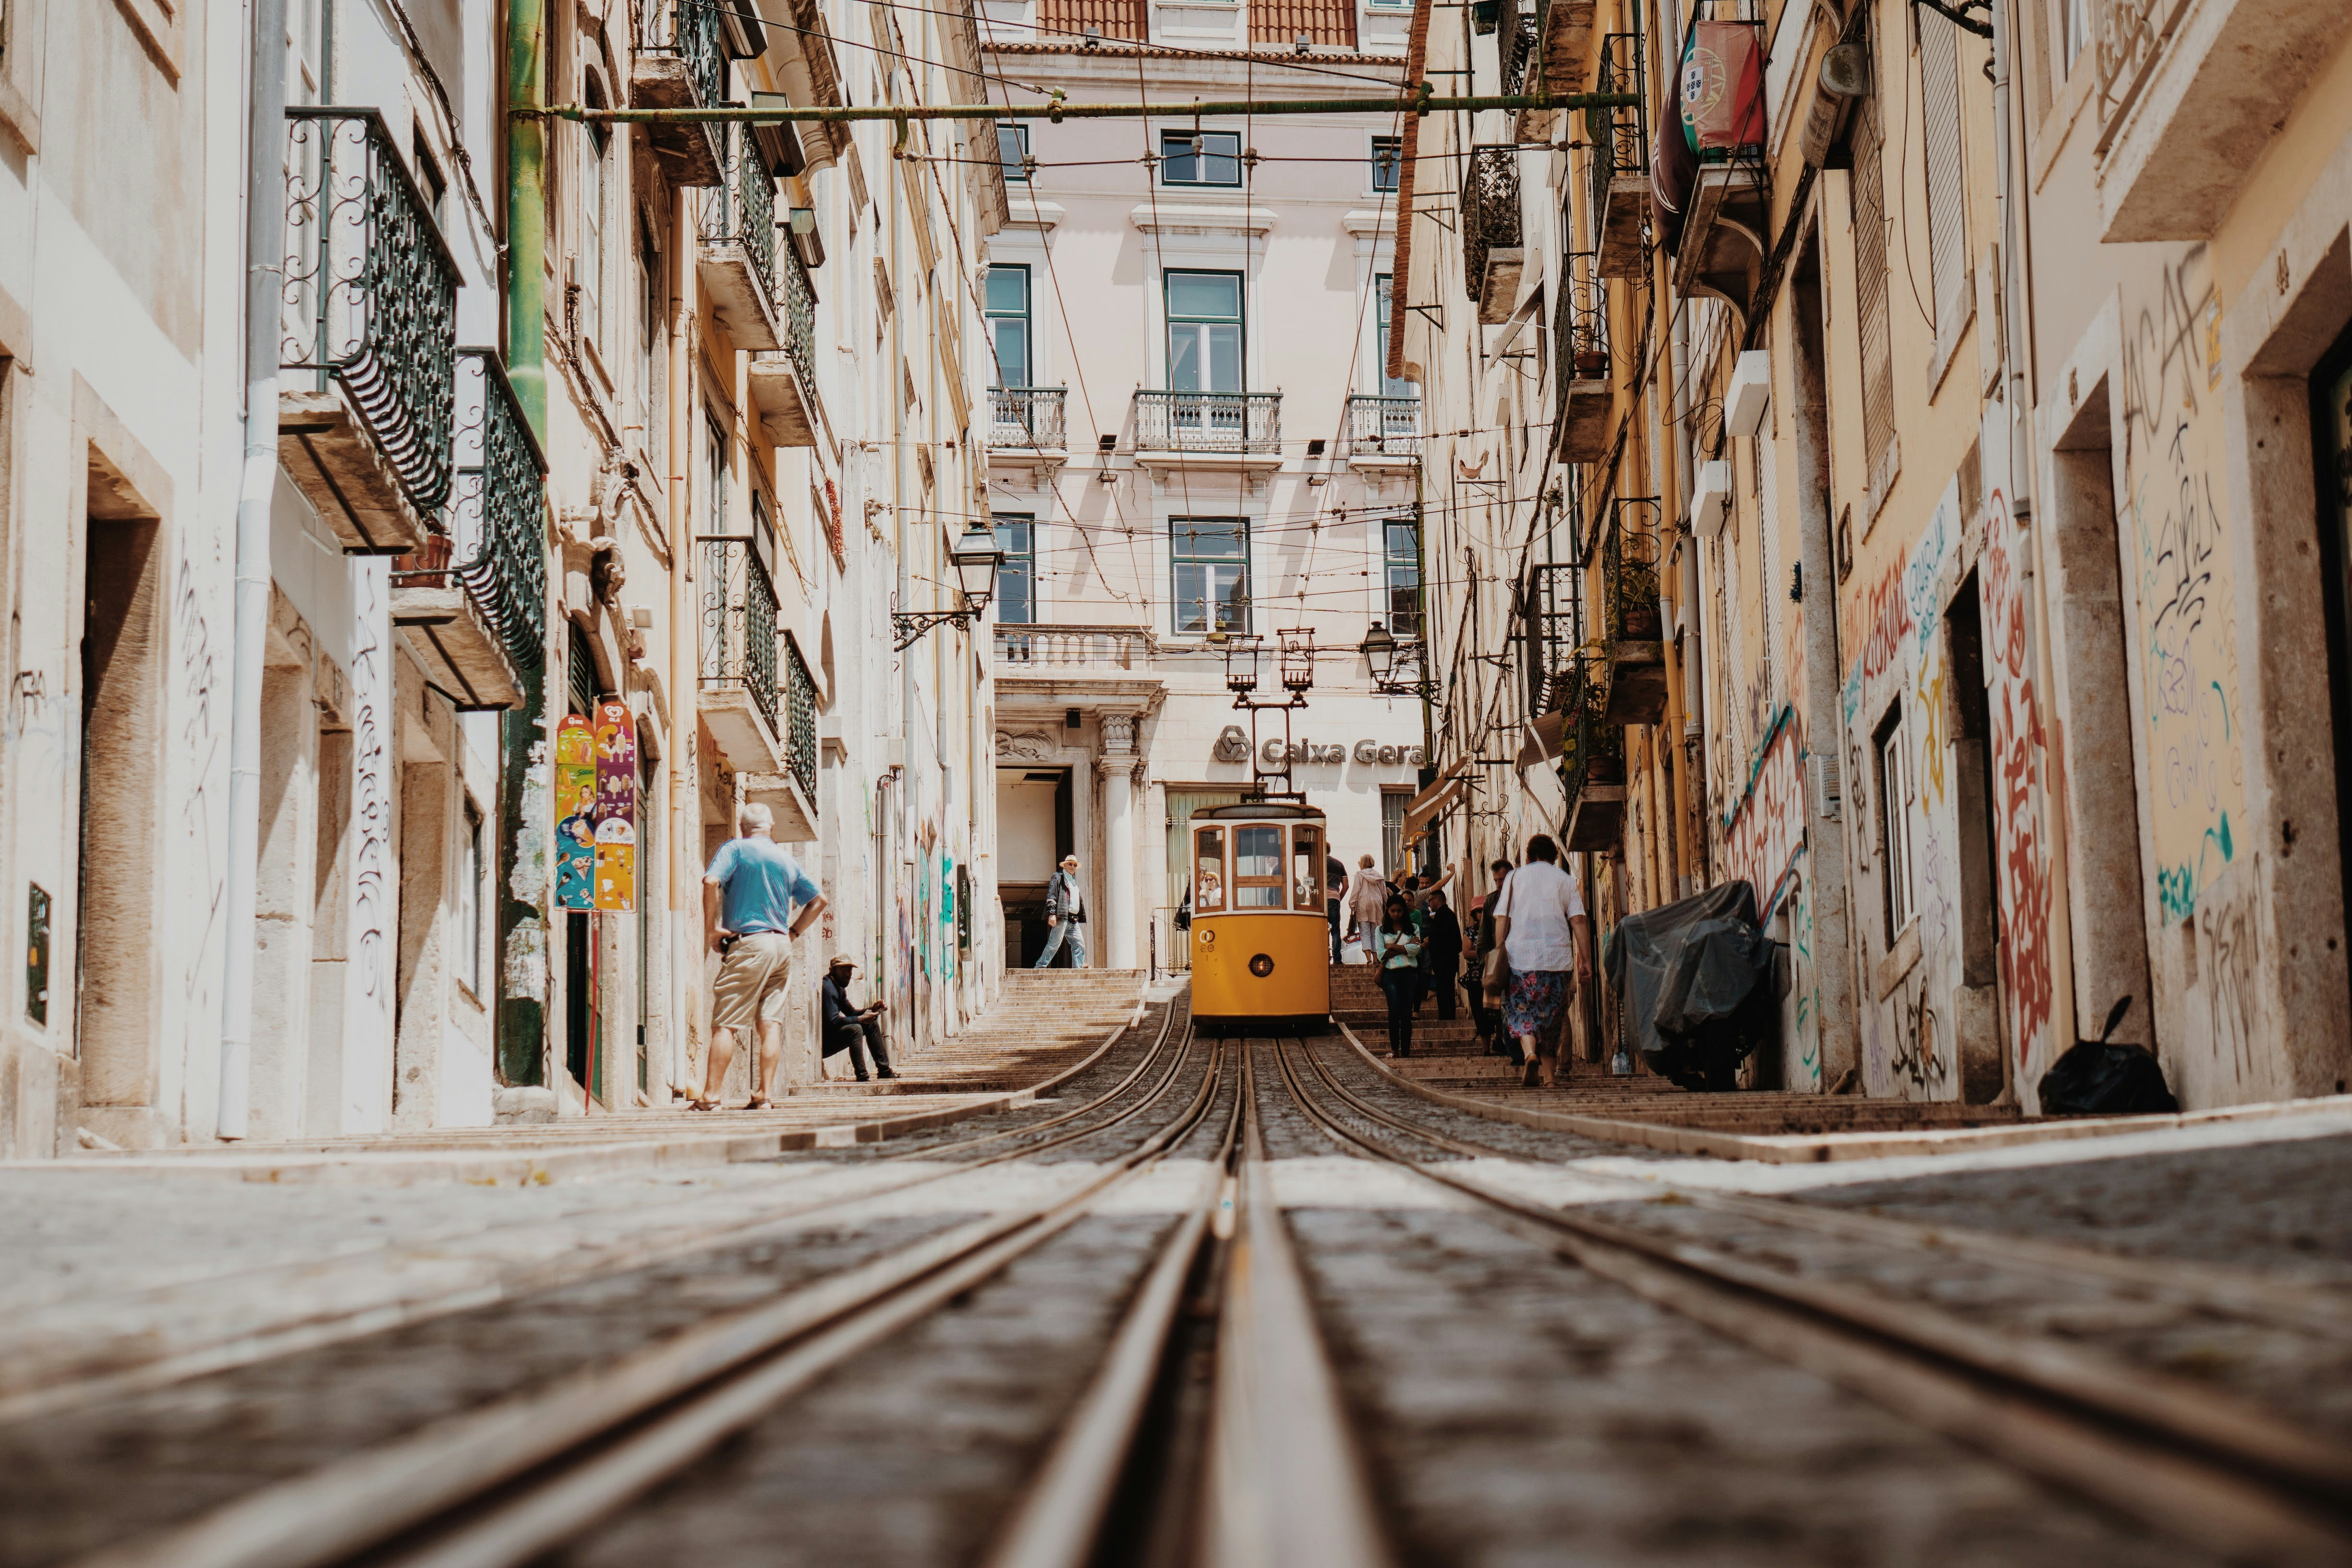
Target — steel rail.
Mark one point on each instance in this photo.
(2226, 1292)
(1057, 109)
(2235, 1479)
(508, 1479)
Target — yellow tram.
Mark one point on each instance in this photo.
(1261, 941)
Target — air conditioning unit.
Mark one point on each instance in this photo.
(1711, 498)
(1823, 783)
(1751, 389)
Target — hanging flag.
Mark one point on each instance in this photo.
(616, 807)
(575, 826)
(616, 865)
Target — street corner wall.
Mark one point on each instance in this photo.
(1924, 1011)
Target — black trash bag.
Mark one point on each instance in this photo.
(2099, 1078)
(1695, 977)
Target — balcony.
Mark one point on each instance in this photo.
(367, 332)
(1520, 27)
(1044, 668)
(736, 262)
(1026, 422)
(740, 695)
(1492, 253)
(1591, 765)
(1582, 391)
(1209, 429)
(2190, 97)
(1381, 431)
(472, 600)
(790, 794)
(783, 378)
(1632, 629)
(1618, 165)
(1556, 64)
(681, 63)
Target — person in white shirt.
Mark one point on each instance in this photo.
(1545, 936)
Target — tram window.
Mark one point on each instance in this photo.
(1257, 868)
(1208, 869)
(1305, 868)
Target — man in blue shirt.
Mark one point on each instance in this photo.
(749, 899)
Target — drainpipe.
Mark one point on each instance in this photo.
(264, 234)
(2012, 269)
(523, 964)
(685, 897)
(1694, 605)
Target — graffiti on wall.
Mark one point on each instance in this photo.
(1766, 829)
(2018, 764)
(2187, 627)
(197, 868)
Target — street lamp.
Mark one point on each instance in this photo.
(975, 558)
(1379, 648)
(1397, 667)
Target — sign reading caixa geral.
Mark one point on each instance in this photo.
(1234, 746)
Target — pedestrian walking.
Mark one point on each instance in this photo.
(1335, 892)
(1486, 1011)
(848, 1027)
(1368, 896)
(1397, 951)
(1547, 939)
(1441, 934)
(1065, 912)
(755, 899)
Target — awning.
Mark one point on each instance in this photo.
(1430, 803)
(1543, 740)
(1445, 775)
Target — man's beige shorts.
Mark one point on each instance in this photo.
(754, 968)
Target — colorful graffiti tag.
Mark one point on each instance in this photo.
(1761, 841)
(2020, 757)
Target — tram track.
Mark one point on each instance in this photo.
(2234, 1477)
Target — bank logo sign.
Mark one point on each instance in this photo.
(1233, 746)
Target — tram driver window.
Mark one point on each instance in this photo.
(1306, 868)
(1257, 868)
(1208, 869)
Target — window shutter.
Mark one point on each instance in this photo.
(1948, 227)
(1870, 287)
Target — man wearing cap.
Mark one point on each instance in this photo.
(1066, 912)
(847, 1028)
(749, 899)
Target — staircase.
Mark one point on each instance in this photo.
(1043, 1020)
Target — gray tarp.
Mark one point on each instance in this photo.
(1685, 965)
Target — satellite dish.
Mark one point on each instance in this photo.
(1846, 71)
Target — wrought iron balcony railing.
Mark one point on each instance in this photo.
(1592, 750)
(798, 297)
(1382, 427)
(370, 299)
(1022, 647)
(497, 511)
(1208, 421)
(742, 210)
(688, 29)
(800, 721)
(1027, 417)
(1490, 212)
(1580, 330)
(2130, 36)
(1630, 540)
(739, 625)
(1551, 633)
(1618, 136)
(1521, 28)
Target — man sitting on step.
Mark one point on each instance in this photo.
(857, 1030)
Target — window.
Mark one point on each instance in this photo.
(469, 902)
(714, 473)
(1016, 578)
(593, 172)
(1208, 869)
(1392, 804)
(1306, 868)
(2078, 29)
(763, 535)
(1013, 149)
(1257, 868)
(1006, 304)
(1870, 225)
(1391, 386)
(1204, 333)
(1401, 566)
(1388, 156)
(1894, 782)
(1211, 558)
(1200, 158)
(1948, 237)
(650, 325)
(429, 180)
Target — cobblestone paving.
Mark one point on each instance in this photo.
(1522, 1411)
(2283, 1208)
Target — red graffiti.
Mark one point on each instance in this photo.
(1889, 617)
(1767, 828)
(2020, 752)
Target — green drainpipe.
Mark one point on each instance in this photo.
(524, 959)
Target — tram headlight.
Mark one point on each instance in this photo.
(1206, 936)
(1260, 966)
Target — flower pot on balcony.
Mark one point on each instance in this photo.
(1640, 623)
(1592, 364)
